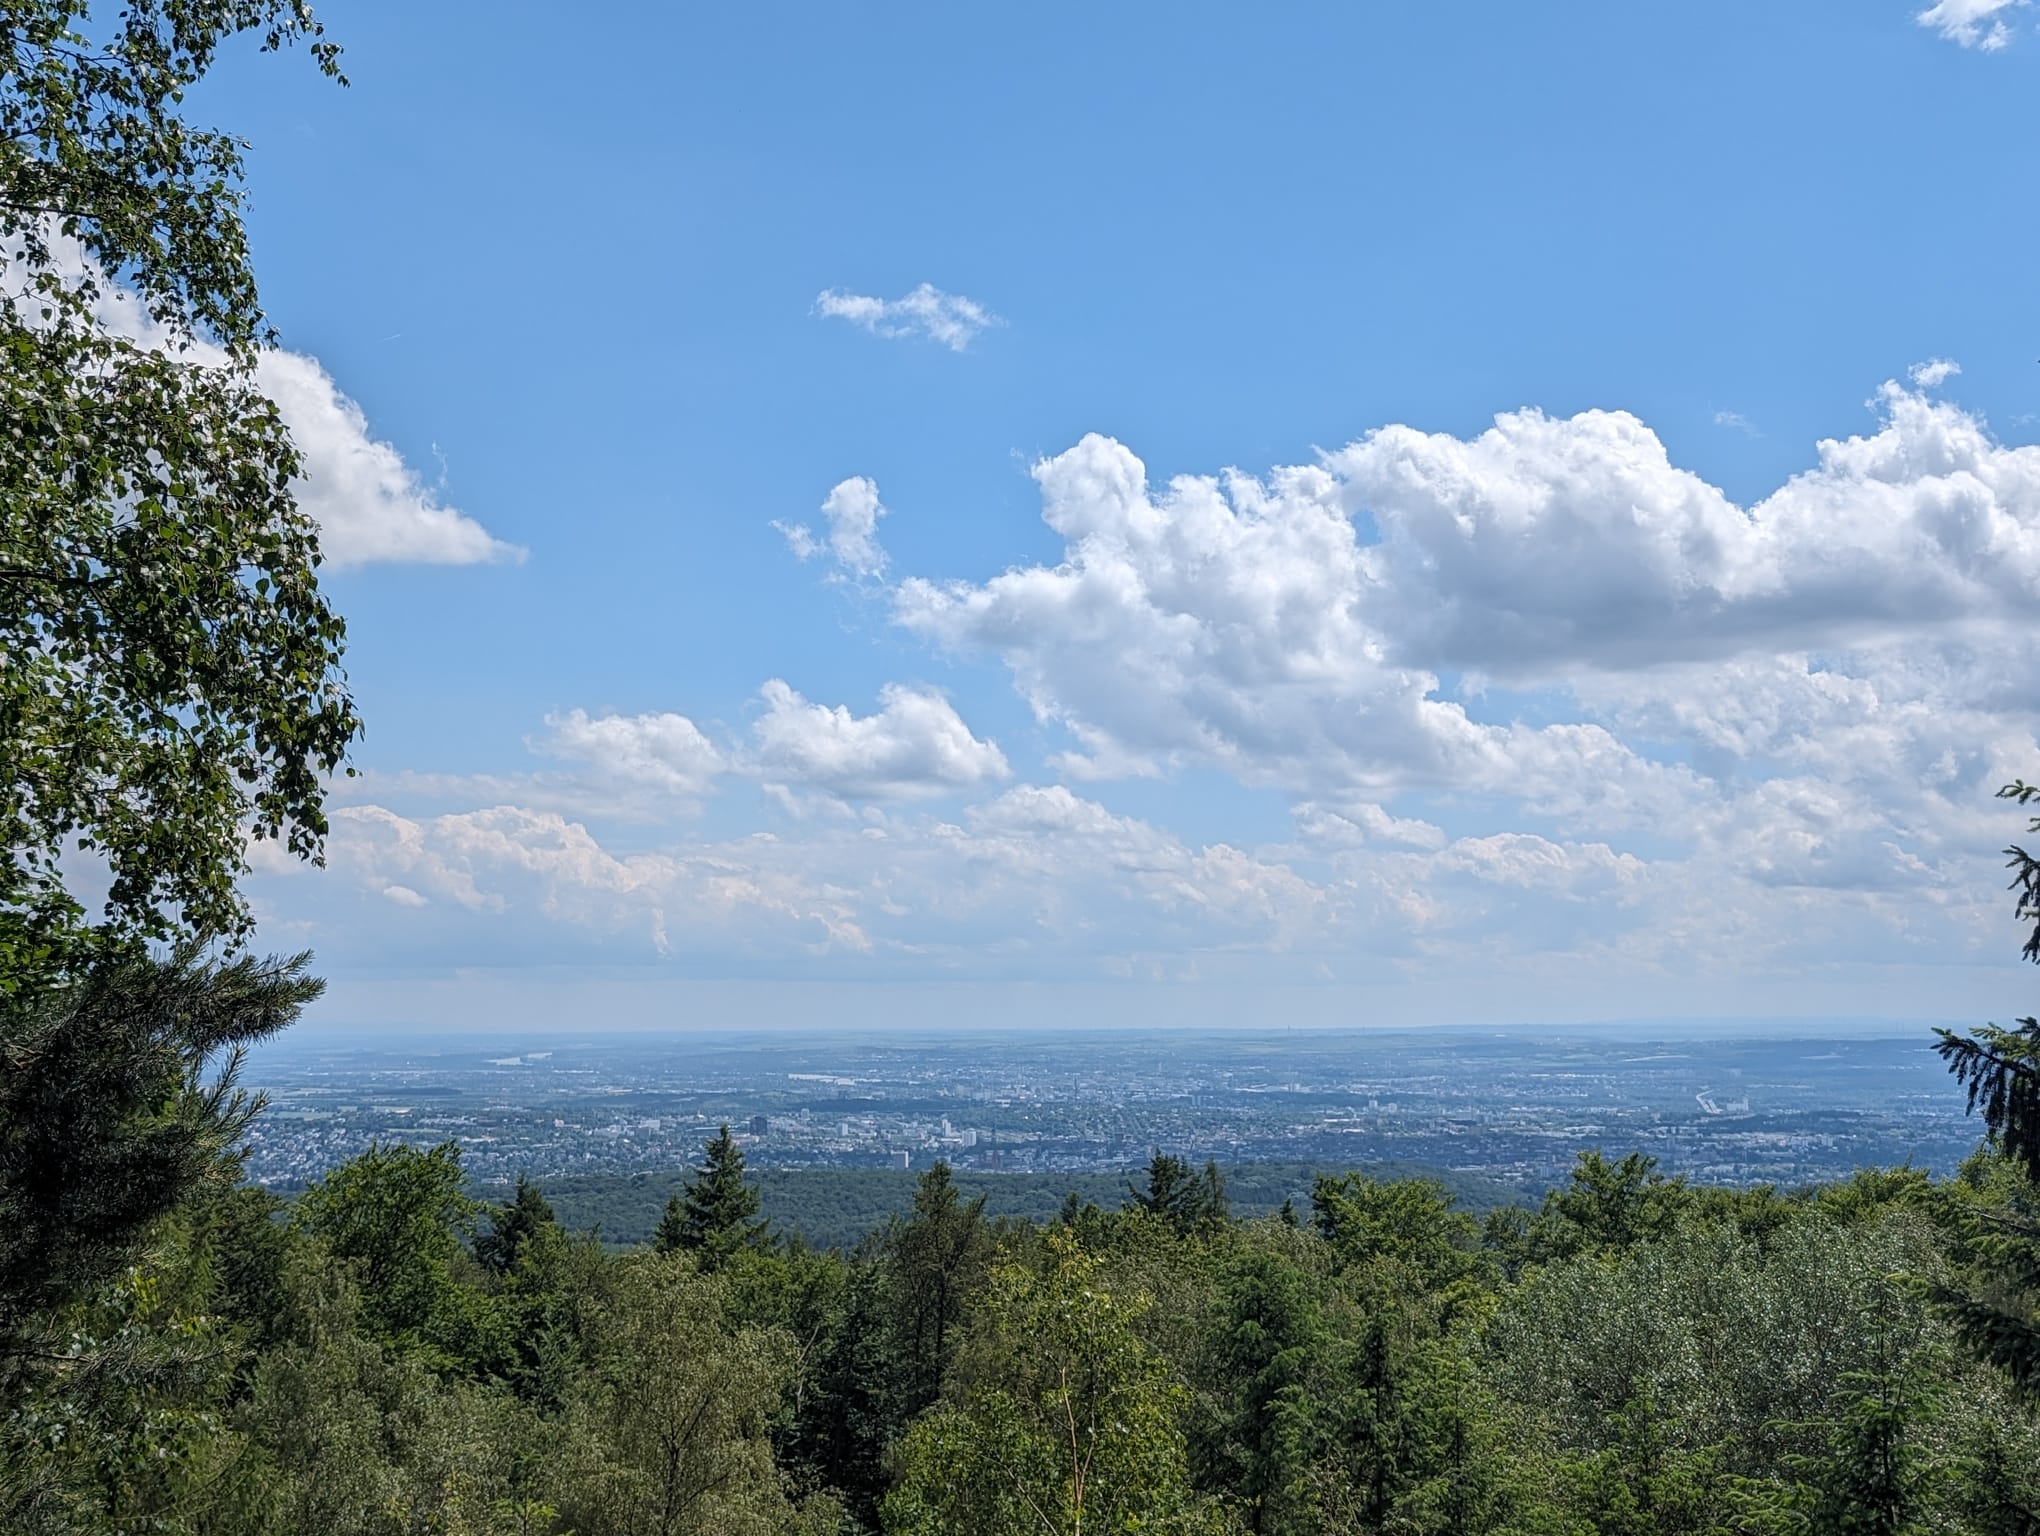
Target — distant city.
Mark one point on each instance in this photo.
(1516, 1105)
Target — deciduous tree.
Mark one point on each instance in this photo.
(170, 680)
(1066, 1423)
(169, 669)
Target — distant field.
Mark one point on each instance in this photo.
(837, 1207)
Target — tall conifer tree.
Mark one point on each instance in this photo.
(716, 1213)
(2000, 1068)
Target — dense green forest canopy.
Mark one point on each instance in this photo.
(1633, 1354)
(838, 1207)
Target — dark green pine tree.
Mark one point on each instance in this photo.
(513, 1227)
(932, 1261)
(670, 1236)
(1375, 1429)
(1874, 1480)
(843, 1426)
(117, 1100)
(1261, 1434)
(1188, 1201)
(1214, 1206)
(716, 1213)
(2000, 1068)
(1877, 1473)
(1172, 1192)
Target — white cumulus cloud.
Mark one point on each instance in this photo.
(1040, 883)
(1972, 23)
(915, 745)
(665, 752)
(1546, 707)
(1547, 541)
(1551, 625)
(370, 505)
(1233, 623)
(543, 881)
(850, 514)
(947, 318)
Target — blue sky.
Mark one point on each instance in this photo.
(1635, 702)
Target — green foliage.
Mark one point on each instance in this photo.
(1263, 1363)
(2025, 868)
(172, 681)
(669, 1425)
(1607, 1207)
(2000, 1069)
(170, 688)
(934, 1259)
(355, 1363)
(1994, 1299)
(1183, 1200)
(514, 1228)
(1874, 1478)
(1992, 1468)
(1738, 1344)
(117, 1099)
(1409, 1225)
(394, 1217)
(122, 1426)
(714, 1215)
(839, 1207)
(1997, 1313)
(849, 1415)
(1644, 1483)
(1064, 1420)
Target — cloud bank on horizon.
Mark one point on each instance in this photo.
(1533, 699)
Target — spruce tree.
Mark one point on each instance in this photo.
(513, 1227)
(932, 1260)
(1189, 1202)
(671, 1234)
(1171, 1194)
(1877, 1472)
(1874, 1479)
(715, 1215)
(1214, 1205)
(1263, 1343)
(2000, 1069)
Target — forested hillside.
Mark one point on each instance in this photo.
(381, 1355)
(837, 1207)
